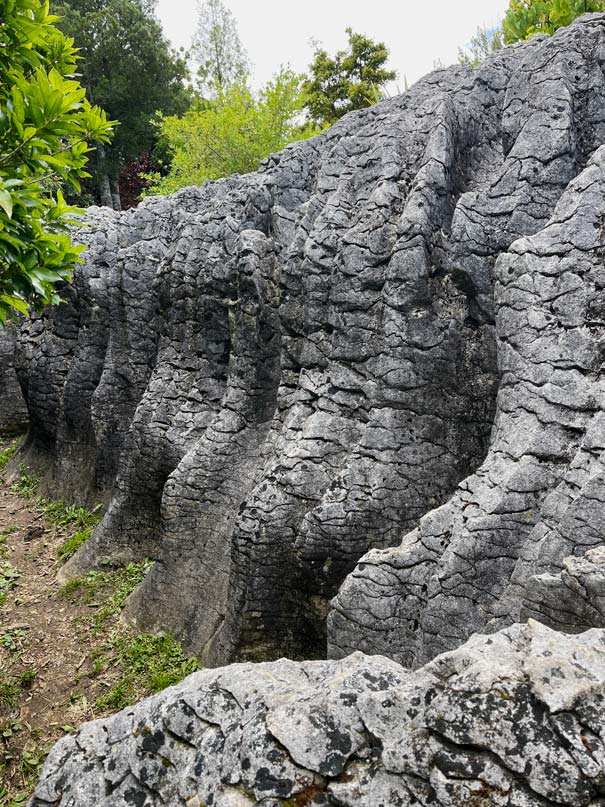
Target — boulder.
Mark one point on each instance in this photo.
(509, 720)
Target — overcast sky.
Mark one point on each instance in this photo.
(277, 32)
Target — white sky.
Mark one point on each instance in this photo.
(274, 33)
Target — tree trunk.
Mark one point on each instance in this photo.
(115, 195)
(105, 191)
(104, 185)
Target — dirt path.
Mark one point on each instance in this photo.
(65, 655)
(41, 647)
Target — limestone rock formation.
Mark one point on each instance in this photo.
(514, 540)
(509, 720)
(268, 376)
(13, 411)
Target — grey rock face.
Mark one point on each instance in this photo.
(13, 411)
(509, 720)
(270, 375)
(511, 542)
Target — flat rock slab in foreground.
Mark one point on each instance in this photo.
(515, 719)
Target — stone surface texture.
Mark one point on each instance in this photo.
(384, 345)
(13, 411)
(515, 719)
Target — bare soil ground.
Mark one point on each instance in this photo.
(63, 653)
(44, 688)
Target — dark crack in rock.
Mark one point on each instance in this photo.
(268, 376)
(509, 720)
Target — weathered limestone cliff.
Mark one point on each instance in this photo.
(270, 375)
(355, 397)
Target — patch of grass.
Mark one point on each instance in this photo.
(11, 687)
(21, 748)
(27, 678)
(12, 639)
(29, 768)
(27, 483)
(7, 454)
(149, 663)
(74, 516)
(117, 698)
(4, 535)
(146, 663)
(62, 514)
(9, 691)
(108, 590)
(59, 514)
(71, 545)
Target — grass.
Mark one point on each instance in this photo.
(12, 688)
(9, 692)
(8, 580)
(12, 639)
(118, 666)
(7, 454)
(145, 663)
(71, 545)
(26, 485)
(4, 536)
(106, 591)
(149, 663)
(59, 513)
(80, 519)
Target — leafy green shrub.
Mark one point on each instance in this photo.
(524, 18)
(46, 124)
(232, 133)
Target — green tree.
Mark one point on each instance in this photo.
(483, 43)
(217, 49)
(128, 68)
(525, 18)
(352, 79)
(232, 133)
(46, 125)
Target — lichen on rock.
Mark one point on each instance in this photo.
(510, 719)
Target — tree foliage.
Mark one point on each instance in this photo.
(218, 50)
(352, 79)
(483, 43)
(46, 125)
(232, 133)
(129, 69)
(525, 18)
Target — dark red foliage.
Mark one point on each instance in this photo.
(132, 182)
